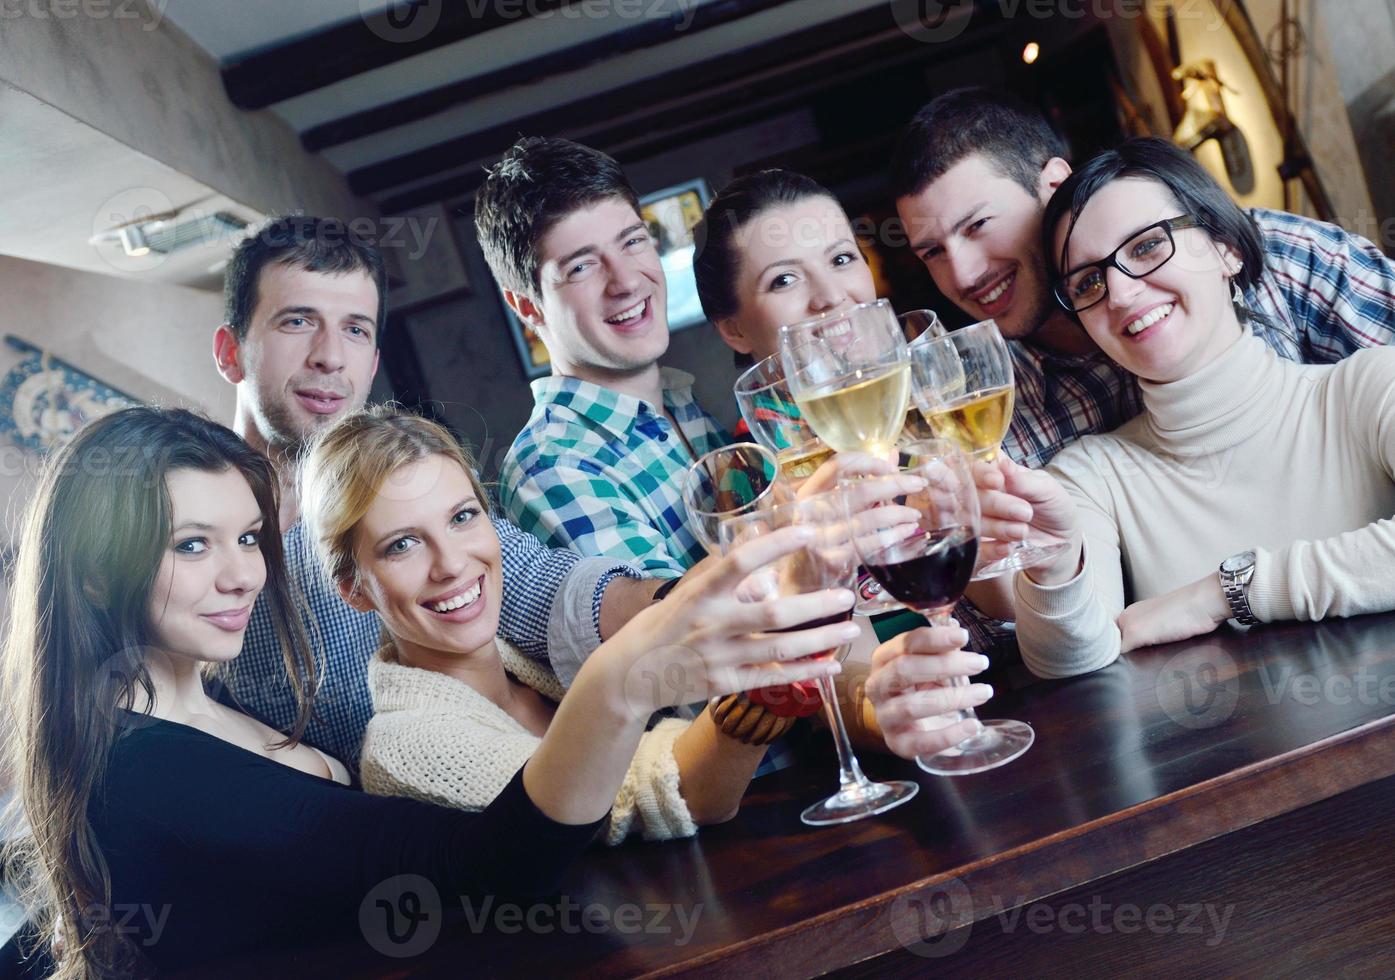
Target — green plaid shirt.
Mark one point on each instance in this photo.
(602, 473)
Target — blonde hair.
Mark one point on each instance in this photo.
(346, 465)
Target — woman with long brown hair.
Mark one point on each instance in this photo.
(166, 829)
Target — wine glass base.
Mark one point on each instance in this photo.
(875, 607)
(1001, 741)
(872, 599)
(1024, 556)
(857, 802)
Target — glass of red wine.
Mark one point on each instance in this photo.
(922, 548)
(827, 562)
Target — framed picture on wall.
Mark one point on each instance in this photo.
(671, 215)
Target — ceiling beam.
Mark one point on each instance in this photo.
(648, 33)
(739, 101)
(682, 84)
(407, 28)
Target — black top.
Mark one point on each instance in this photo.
(215, 850)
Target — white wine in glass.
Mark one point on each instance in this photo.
(975, 422)
(849, 372)
(964, 387)
(862, 411)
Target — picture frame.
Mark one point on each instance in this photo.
(671, 214)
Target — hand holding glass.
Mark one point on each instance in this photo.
(829, 561)
(922, 548)
(964, 389)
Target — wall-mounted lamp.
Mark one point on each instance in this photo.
(1031, 52)
(133, 240)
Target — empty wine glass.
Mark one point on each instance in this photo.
(922, 547)
(827, 562)
(727, 482)
(775, 421)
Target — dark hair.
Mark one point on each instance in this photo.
(540, 181)
(717, 256)
(326, 245)
(1014, 136)
(90, 550)
(1195, 190)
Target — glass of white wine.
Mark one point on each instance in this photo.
(849, 373)
(775, 420)
(964, 389)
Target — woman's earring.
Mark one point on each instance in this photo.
(1236, 296)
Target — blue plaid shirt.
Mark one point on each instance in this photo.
(602, 472)
(1324, 294)
(542, 613)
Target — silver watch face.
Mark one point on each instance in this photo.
(1236, 564)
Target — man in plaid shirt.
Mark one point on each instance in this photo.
(971, 176)
(599, 467)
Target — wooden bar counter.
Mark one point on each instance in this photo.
(1221, 806)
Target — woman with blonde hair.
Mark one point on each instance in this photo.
(397, 517)
(143, 550)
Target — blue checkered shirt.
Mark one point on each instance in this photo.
(602, 472)
(539, 606)
(1324, 294)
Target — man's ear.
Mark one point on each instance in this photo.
(351, 595)
(526, 309)
(227, 354)
(1051, 177)
(731, 333)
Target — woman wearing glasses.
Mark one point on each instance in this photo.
(1250, 487)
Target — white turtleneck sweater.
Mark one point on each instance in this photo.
(1252, 451)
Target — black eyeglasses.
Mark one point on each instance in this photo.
(1146, 251)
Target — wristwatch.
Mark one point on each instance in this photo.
(1236, 572)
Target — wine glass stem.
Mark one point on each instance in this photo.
(940, 617)
(849, 772)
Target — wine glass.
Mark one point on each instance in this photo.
(964, 389)
(916, 324)
(775, 420)
(738, 479)
(828, 562)
(922, 547)
(919, 327)
(849, 373)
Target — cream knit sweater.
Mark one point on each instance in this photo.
(1252, 451)
(435, 738)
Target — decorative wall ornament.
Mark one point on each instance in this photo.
(45, 400)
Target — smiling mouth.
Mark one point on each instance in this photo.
(1141, 323)
(467, 596)
(625, 317)
(992, 295)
